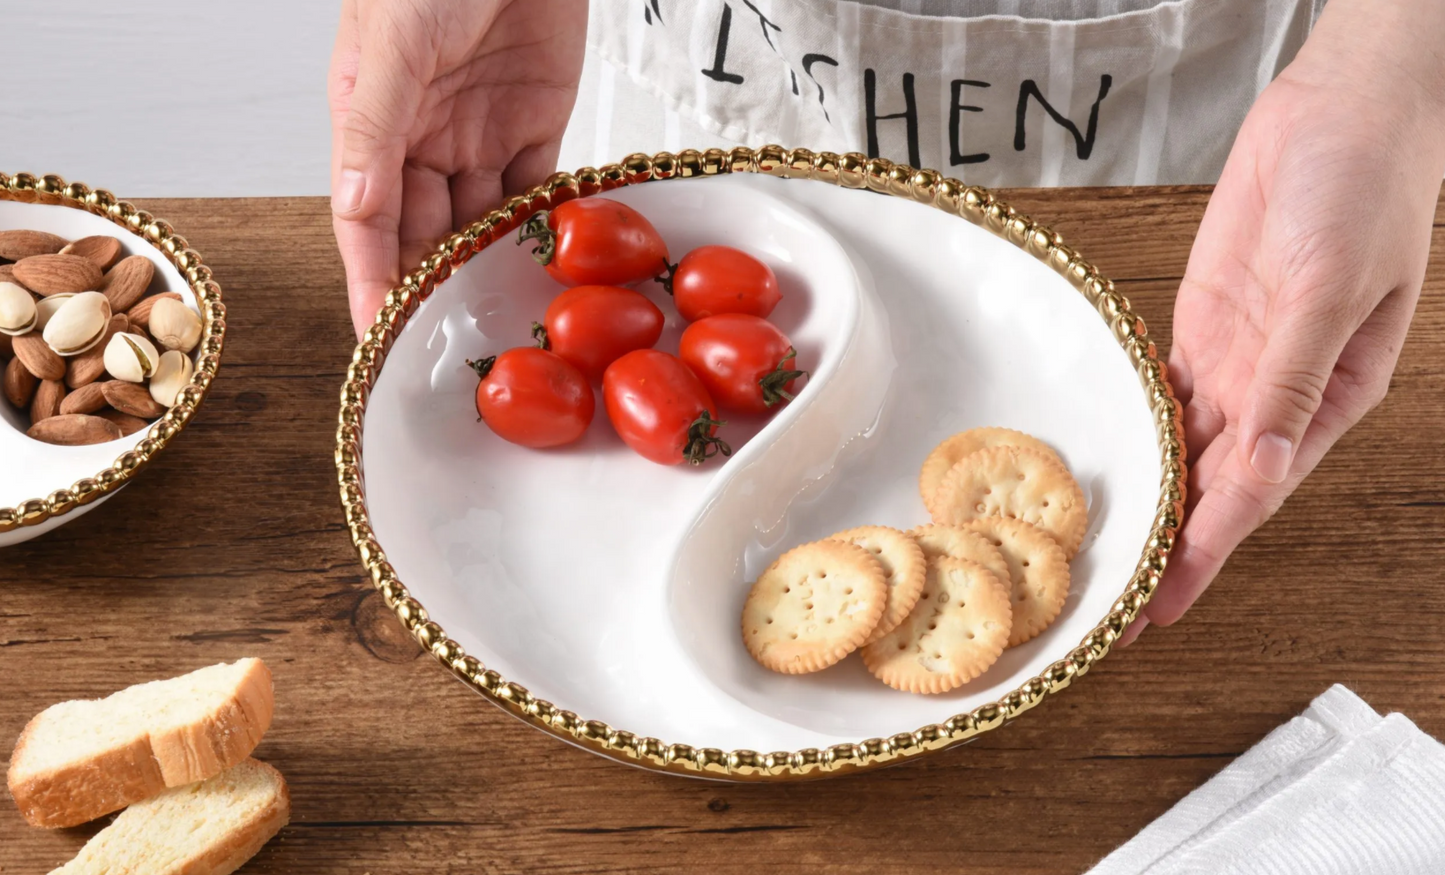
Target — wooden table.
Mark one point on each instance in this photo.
(232, 544)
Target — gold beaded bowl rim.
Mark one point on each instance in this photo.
(158, 233)
(851, 170)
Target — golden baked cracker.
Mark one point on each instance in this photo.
(813, 606)
(961, 543)
(954, 449)
(1015, 483)
(956, 631)
(903, 566)
(1038, 572)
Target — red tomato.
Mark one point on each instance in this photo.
(595, 241)
(593, 326)
(719, 279)
(661, 409)
(745, 362)
(532, 397)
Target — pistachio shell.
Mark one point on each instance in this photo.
(174, 325)
(171, 376)
(130, 357)
(79, 324)
(49, 306)
(17, 309)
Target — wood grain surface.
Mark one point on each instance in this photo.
(232, 545)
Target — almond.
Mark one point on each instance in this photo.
(87, 367)
(87, 399)
(100, 249)
(7, 273)
(140, 314)
(38, 358)
(19, 384)
(125, 283)
(16, 245)
(132, 398)
(128, 424)
(74, 430)
(53, 274)
(46, 402)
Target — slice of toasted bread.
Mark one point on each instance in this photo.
(209, 828)
(78, 760)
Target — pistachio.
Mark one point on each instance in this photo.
(130, 357)
(88, 366)
(140, 314)
(174, 325)
(79, 324)
(171, 376)
(47, 307)
(17, 309)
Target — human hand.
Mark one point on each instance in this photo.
(1305, 273)
(438, 109)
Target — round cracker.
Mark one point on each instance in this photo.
(903, 566)
(813, 606)
(964, 444)
(956, 631)
(961, 543)
(1015, 483)
(1038, 573)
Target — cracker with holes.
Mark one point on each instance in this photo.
(955, 632)
(1038, 574)
(1015, 483)
(813, 606)
(964, 444)
(961, 543)
(902, 561)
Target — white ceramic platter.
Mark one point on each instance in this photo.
(612, 587)
(32, 469)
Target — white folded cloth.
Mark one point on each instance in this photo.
(1338, 790)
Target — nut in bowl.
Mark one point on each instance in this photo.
(110, 334)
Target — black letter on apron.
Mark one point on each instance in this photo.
(764, 23)
(954, 117)
(808, 62)
(717, 73)
(909, 114)
(647, 13)
(1084, 144)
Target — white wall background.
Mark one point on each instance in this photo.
(155, 99)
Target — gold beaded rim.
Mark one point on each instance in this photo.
(852, 170)
(51, 189)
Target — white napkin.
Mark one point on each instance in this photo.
(1338, 790)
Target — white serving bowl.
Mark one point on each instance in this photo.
(598, 595)
(43, 486)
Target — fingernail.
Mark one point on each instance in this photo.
(1133, 631)
(350, 189)
(1272, 457)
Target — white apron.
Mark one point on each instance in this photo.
(1008, 93)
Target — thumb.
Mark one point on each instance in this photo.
(1288, 387)
(376, 120)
